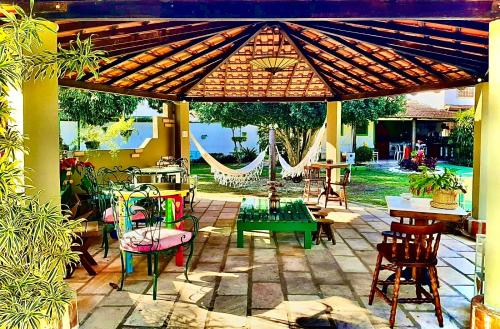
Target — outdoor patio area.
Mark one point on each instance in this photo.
(272, 282)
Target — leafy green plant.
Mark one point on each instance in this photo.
(426, 182)
(364, 154)
(462, 138)
(35, 237)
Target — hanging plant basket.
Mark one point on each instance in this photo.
(445, 199)
(92, 145)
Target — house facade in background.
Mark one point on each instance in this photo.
(429, 117)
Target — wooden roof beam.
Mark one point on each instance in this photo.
(159, 59)
(115, 90)
(343, 58)
(148, 42)
(269, 9)
(288, 33)
(387, 65)
(345, 82)
(252, 33)
(189, 59)
(345, 72)
(479, 50)
(468, 65)
(425, 30)
(352, 32)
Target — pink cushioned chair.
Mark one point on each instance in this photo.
(157, 236)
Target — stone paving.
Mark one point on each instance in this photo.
(271, 283)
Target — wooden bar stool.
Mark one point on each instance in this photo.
(324, 225)
(412, 247)
(313, 182)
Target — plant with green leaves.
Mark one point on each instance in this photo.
(35, 237)
(462, 138)
(427, 182)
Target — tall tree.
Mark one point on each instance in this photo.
(295, 123)
(360, 112)
(93, 108)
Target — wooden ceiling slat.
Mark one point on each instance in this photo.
(385, 64)
(252, 32)
(114, 30)
(397, 36)
(344, 81)
(351, 32)
(146, 42)
(288, 33)
(159, 59)
(115, 90)
(473, 25)
(430, 32)
(337, 67)
(343, 58)
(187, 60)
(465, 64)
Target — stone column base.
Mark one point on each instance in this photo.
(482, 317)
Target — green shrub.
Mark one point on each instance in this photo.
(364, 154)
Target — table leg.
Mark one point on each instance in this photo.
(179, 256)
(239, 238)
(307, 240)
(126, 225)
(328, 186)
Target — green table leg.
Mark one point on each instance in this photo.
(239, 240)
(307, 240)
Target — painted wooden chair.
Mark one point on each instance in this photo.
(313, 182)
(413, 247)
(158, 236)
(342, 184)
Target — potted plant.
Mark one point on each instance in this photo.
(443, 187)
(92, 136)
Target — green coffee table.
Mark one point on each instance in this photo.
(293, 216)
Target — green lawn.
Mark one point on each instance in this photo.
(368, 186)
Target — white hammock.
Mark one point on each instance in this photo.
(232, 177)
(312, 155)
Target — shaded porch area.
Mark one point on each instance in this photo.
(272, 282)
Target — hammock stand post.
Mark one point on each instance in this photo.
(272, 154)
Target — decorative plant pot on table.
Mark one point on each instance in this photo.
(445, 199)
(443, 187)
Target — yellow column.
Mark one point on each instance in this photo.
(41, 126)
(333, 125)
(479, 183)
(490, 147)
(182, 130)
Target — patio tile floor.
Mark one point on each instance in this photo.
(271, 283)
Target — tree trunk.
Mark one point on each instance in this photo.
(354, 138)
(234, 141)
(284, 137)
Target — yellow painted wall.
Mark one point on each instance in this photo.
(40, 123)
(489, 175)
(161, 144)
(333, 122)
(361, 140)
(182, 125)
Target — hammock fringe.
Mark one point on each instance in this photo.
(232, 177)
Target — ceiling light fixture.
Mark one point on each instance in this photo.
(274, 64)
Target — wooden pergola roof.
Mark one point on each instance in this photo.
(338, 60)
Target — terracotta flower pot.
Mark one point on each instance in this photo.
(445, 199)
